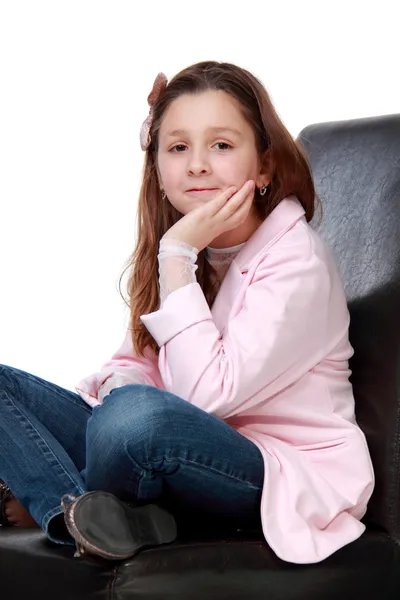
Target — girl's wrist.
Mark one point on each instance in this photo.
(173, 245)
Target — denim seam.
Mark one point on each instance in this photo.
(43, 441)
(148, 466)
(217, 471)
(49, 387)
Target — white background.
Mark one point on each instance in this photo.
(74, 80)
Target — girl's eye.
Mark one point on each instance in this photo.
(223, 144)
(178, 147)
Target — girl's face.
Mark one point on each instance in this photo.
(205, 146)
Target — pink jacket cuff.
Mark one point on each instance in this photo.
(182, 309)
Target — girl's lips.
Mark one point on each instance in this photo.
(201, 192)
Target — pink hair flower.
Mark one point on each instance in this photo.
(159, 85)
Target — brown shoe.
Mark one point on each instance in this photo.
(5, 494)
(12, 513)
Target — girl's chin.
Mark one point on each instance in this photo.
(192, 203)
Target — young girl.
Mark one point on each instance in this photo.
(228, 405)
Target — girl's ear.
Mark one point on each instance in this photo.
(265, 172)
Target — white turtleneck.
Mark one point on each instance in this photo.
(221, 258)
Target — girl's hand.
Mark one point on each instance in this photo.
(223, 213)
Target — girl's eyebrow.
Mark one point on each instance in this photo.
(178, 132)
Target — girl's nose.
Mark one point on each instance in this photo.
(198, 163)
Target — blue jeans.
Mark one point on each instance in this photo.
(142, 444)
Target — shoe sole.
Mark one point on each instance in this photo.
(103, 525)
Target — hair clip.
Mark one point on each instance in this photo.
(159, 85)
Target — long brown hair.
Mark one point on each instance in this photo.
(288, 167)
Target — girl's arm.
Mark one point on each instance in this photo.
(289, 320)
(178, 261)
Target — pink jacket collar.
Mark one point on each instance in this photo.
(282, 218)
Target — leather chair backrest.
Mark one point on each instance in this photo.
(356, 170)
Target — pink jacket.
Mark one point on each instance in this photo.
(271, 359)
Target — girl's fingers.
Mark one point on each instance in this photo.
(220, 200)
(231, 207)
(240, 214)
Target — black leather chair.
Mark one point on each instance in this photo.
(356, 167)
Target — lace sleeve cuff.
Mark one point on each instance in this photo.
(177, 266)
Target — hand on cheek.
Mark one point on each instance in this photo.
(225, 212)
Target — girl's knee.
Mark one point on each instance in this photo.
(5, 371)
(134, 415)
(140, 402)
(134, 423)
(6, 378)
(9, 377)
